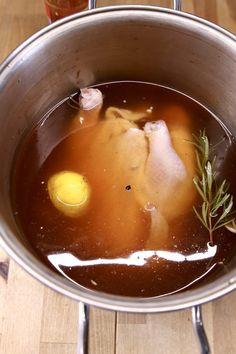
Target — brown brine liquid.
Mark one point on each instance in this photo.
(81, 248)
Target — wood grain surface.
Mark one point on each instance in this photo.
(36, 320)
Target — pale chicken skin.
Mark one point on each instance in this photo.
(145, 175)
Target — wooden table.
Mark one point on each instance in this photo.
(34, 319)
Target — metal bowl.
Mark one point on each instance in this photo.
(141, 43)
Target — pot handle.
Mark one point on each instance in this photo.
(83, 333)
(199, 330)
(176, 5)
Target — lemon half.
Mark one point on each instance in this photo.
(69, 192)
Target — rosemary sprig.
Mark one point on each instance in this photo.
(217, 203)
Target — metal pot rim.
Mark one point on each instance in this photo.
(16, 251)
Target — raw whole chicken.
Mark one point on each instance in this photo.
(144, 175)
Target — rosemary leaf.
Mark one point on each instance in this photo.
(204, 212)
(200, 217)
(217, 203)
(225, 223)
(196, 183)
(221, 190)
(204, 185)
(231, 226)
(199, 165)
(217, 206)
(209, 176)
(206, 146)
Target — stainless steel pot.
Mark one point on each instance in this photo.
(142, 43)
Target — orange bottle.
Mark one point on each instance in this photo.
(57, 9)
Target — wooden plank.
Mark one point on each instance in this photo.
(124, 318)
(60, 319)
(227, 14)
(18, 20)
(206, 9)
(224, 328)
(22, 313)
(170, 333)
(220, 12)
(173, 332)
(102, 331)
(57, 348)
(187, 6)
(207, 314)
(4, 264)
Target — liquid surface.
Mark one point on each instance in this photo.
(82, 248)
